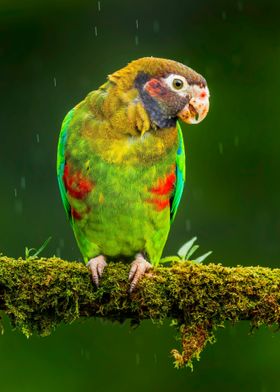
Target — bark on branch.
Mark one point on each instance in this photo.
(38, 294)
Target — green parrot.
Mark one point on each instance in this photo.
(121, 162)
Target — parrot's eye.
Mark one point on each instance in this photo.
(177, 84)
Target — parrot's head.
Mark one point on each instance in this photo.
(167, 89)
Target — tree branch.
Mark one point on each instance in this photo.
(38, 294)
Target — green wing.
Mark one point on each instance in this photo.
(61, 161)
(180, 175)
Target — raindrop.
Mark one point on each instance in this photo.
(58, 253)
(188, 225)
(61, 242)
(15, 190)
(136, 40)
(99, 6)
(137, 359)
(95, 30)
(137, 24)
(155, 357)
(221, 148)
(156, 26)
(224, 15)
(23, 183)
(87, 355)
(54, 82)
(236, 141)
(38, 137)
(18, 206)
(2, 328)
(240, 6)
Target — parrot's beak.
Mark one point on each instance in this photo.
(197, 107)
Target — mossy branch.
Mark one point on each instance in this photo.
(38, 294)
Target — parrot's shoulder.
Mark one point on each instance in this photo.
(61, 159)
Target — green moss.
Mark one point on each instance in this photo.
(39, 294)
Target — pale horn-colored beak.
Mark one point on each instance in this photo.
(197, 108)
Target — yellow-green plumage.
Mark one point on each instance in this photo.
(121, 177)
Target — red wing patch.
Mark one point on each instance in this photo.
(75, 214)
(163, 189)
(166, 185)
(159, 204)
(76, 185)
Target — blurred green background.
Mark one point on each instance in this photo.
(52, 54)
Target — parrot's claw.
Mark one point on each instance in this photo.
(97, 265)
(138, 268)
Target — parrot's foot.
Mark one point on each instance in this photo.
(97, 265)
(138, 268)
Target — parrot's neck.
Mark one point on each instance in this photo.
(125, 133)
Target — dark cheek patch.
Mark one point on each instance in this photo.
(76, 185)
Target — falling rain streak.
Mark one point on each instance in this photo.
(156, 26)
(221, 148)
(54, 82)
(61, 242)
(240, 6)
(38, 137)
(58, 252)
(95, 31)
(18, 206)
(155, 357)
(188, 225)
(23, 183)
(99, 6)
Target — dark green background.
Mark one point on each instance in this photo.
(50, 59)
